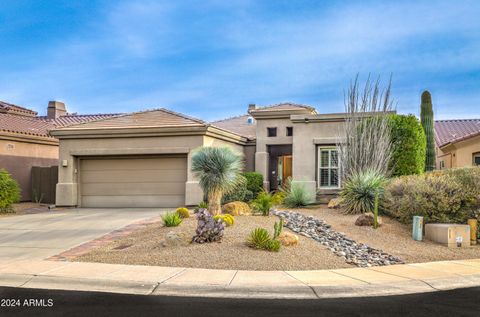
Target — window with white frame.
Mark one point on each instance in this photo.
(328, 168)
(476, 159)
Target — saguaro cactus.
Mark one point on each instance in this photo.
(426, 117)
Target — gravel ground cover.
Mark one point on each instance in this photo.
(392, 237)
(144, 247)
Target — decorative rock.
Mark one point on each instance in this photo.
(366, 219)
(334, 203)
(352, 252)
(173, 239)
(237, 208)
(287, 238)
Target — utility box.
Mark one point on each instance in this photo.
(448, 234)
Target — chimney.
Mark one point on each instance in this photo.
(251, 107)
(56, 109)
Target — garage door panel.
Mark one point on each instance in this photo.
(134, 201)
(133, 182)
(126, 176)
(135, 164)
(126, 189)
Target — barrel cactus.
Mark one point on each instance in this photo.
(208, 229)
(183, 212)
(426, 117)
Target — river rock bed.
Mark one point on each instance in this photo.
(358, 254)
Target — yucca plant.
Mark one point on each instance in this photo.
(259, 238)
(171, 219)
(359, 191)
(218, 170)
(296, 195)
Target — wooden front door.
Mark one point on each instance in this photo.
(280, 164)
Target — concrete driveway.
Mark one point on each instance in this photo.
(41, 235)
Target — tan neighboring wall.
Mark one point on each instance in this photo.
(459, 154)
(19, 154)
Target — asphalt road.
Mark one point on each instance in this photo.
(461, 302)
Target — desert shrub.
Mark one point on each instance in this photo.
(265, 201)
(208, 229)
(358, 192)
(439, 196)
(171, 219)
(227, 219)
(240, 193)
(254, 182)
(296, 195)
(408, 145)
(201, 205)
(258, 238)
(273, 245)
(183, 212)
(236, 208)
(9, 191)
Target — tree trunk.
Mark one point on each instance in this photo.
(214, 203)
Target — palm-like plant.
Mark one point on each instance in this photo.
(218, 170)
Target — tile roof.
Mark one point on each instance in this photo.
(451, 131)
(284, 106)
(238, 125)
(6, 107)
(12, 123)
(149, 118)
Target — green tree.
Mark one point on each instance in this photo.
(218, 170)
(408, 145)
(426, 117)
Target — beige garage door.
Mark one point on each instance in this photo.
(133, 182)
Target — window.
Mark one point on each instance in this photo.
(476, 159)
(289, 131)
(250, 121)
(272, 132)
(328, 170)
(442, 165)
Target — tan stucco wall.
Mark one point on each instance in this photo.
(459, 154)
(19, 157)
(73, 149)
(307, 137)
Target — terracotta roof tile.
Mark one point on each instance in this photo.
(238, 125)
(6, 107)
(284, 106)
(149, 118)
(451, 131)
(12, 123)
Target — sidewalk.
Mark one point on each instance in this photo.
(152, 280)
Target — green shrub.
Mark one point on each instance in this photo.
(183, 212)
(201, 205)
(358, 192)
(296, 195)
(408, 145)
(9, 191)
(254, 182)
(440, 196)
(240, 192)
(171, 219)
(273, 245)
(258, 238)
(265, 201)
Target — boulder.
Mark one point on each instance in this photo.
(174, 239)
(237, 208)
(334, 203)
(366, 219)
(288, 239)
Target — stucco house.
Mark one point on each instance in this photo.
(25, 140)
(143, 159)
(457, 143)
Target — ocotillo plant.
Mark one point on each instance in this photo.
(426, 117)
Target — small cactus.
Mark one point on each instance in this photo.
(426, 117)
(183, 212)
(277, 228)
(227, 219)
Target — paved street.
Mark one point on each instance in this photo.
(38, 236)
(460, 302)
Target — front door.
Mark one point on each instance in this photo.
(280, 164)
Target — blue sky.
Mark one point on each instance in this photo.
(211, 58)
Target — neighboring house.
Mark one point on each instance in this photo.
(458, 143)
(25, 141)
(143, 159)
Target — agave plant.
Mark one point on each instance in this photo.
(296, 195)
(218, 170)
(359, 191)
